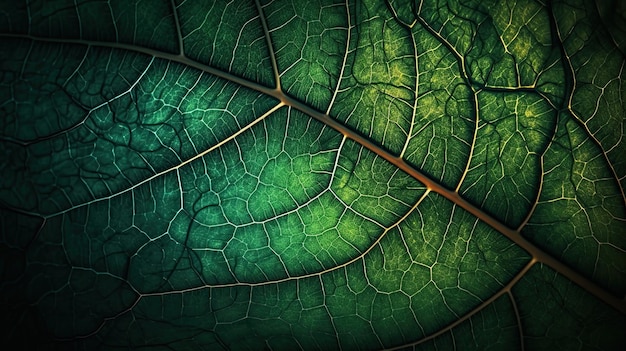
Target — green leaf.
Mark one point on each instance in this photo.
(313, 175)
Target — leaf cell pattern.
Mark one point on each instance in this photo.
(316, 175)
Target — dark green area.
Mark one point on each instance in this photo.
(160, 189)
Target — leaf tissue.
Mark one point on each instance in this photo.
(316, 175)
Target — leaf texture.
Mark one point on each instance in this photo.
(313, 175)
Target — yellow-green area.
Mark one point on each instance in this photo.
(377, 92)
(505, 172)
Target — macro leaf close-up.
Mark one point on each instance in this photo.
(313, 175)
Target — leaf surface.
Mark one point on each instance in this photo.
(312, 175)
